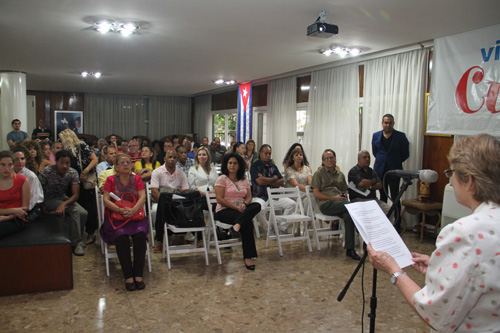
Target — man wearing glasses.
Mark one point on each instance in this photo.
(134, 151)
(330, 190)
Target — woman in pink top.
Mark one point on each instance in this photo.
(234, 204)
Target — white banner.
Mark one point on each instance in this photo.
(465, 84)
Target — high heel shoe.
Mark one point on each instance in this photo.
(249, 267)
(234, 233)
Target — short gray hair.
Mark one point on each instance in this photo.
(361, 153)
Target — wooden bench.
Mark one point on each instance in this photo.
(37, 259)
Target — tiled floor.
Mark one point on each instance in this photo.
(294, 293)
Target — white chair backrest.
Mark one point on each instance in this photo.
(285, 192)
(313, 204)
(211, 199)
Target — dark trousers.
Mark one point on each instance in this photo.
(231, 216)
(122, 244)
(392, 185)
(87, 201)
(10, 227)
(337, 208)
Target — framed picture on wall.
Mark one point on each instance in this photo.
(68, 119)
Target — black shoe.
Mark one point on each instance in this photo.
(130, 286)
(250, 268)
(352, 254)
(235, 234)
(140, 285)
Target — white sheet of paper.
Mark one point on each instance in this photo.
(375, 228)
(177, 197)
(355, 189)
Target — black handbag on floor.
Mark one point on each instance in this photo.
(184, 210)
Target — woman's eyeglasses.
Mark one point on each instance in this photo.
(448, 172)
(125, 163)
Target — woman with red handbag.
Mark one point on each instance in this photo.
(125, 217)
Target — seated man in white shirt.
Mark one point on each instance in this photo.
(167, 178)
(109, 153)
(36, 198)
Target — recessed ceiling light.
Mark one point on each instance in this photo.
(341, 51)
(124, 28)
(96, 74)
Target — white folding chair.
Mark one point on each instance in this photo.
(187, 248)
(151, 209)
(320, 219)
(100, 215)
(212, 230)
(296, 218)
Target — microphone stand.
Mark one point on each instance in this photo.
(373, 299)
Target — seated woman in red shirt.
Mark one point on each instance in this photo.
(234, 204)
(14, 196)
(124, 181)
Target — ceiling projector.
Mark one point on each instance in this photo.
(322, 29)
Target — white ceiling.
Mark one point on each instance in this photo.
(185, 44)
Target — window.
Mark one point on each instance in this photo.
(224, 127)
(301, 121)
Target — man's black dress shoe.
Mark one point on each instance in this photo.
(352, 254)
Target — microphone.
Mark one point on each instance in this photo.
(427, 176)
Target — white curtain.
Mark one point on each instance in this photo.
(203, 116)
(282, 115)
(169, 115)
(114, 114)
(396, 85)
(333, 116)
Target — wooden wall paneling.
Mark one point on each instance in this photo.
(259, 95)
(225, 101)
(436, 149)
(303, 95)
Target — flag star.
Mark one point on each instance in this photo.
(245, 92)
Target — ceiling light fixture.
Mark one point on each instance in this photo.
(124, 28)
(341, 51)
(94, 74)
(222, 81)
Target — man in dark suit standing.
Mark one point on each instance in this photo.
(390, 148)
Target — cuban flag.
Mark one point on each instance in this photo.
(244, 131)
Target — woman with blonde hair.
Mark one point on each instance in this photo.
(462, 289)
(124, 182)
(201, 176)
(84, 161)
